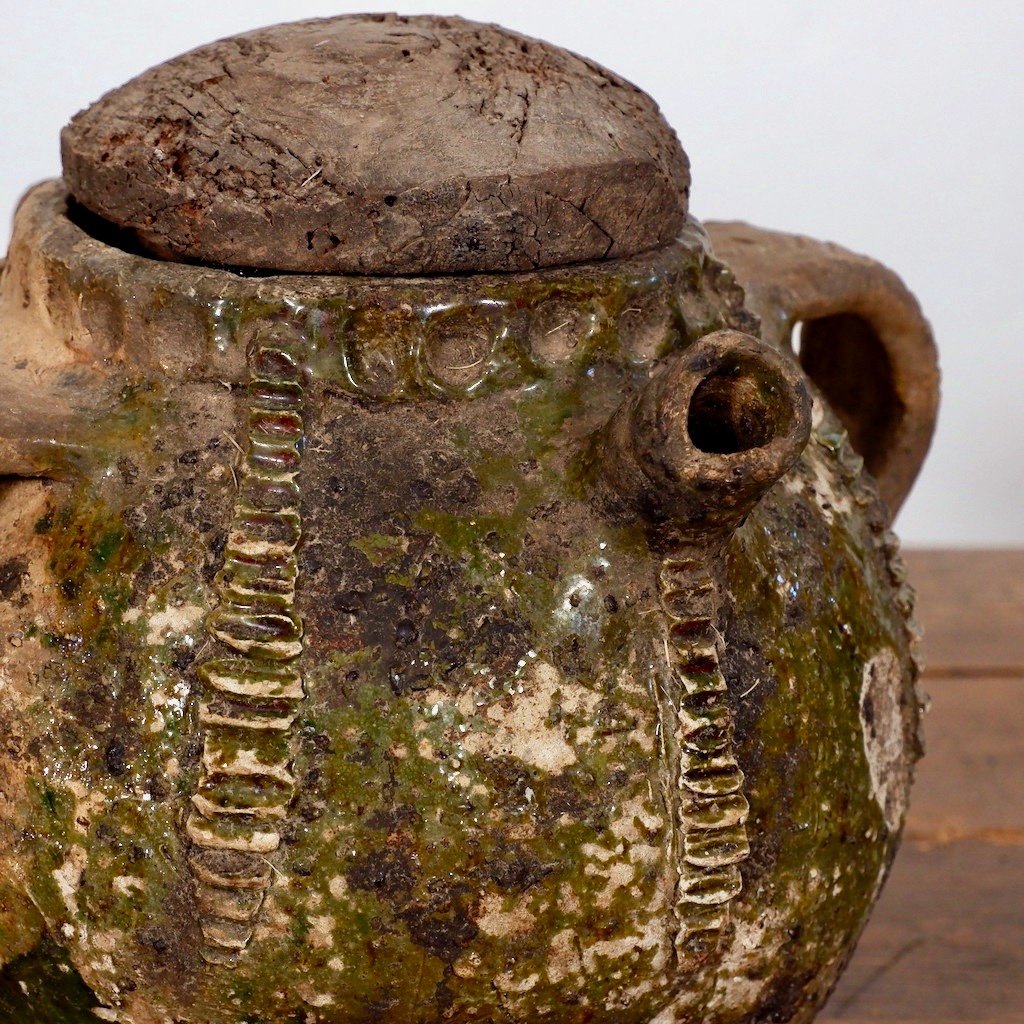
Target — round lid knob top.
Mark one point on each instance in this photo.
(379, 144)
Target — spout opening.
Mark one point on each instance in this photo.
(737, 408)
(709, 434)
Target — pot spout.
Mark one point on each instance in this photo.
(708, 435)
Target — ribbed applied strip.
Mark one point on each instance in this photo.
(252, 695)
(711, 810)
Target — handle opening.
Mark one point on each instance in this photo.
(847, 359)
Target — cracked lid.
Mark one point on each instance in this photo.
(378, 144)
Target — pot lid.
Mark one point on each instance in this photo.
(379, 144)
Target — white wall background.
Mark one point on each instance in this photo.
(896, 129)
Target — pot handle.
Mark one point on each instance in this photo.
(863, 341)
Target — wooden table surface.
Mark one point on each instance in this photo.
(946, 941)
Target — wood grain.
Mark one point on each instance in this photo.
(946, 941)
(971, 781)
(971, 604)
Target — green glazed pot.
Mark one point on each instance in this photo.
(524, 646)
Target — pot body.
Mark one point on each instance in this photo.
(444, 769)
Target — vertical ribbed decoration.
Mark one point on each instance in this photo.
(253, 689)
(711, 810)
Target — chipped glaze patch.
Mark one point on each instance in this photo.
(69, 877)
(524, 729)
(881, 717)
(741, 978)
(176, 620)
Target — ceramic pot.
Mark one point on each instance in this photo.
(516, 645)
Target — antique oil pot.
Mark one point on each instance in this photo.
(435, 584)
